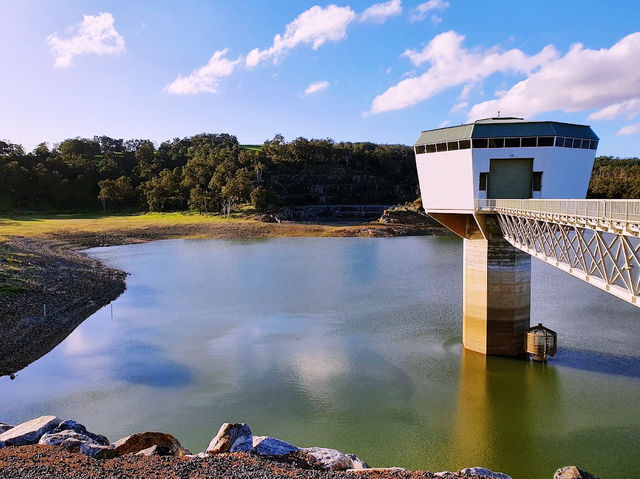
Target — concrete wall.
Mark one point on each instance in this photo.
(446, 180)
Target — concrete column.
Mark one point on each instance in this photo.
(497, 294)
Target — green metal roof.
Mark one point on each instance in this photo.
(505, 127)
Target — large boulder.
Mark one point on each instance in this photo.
(5, 427)
(479, 472)
(270, 446)
(573, 472)
(144, 440)
(29, 432)
(74, 426)
(54, 438)
(155, 451)
(96, 450)
(335, 460)
(231, 437)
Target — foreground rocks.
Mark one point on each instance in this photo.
(49, 447)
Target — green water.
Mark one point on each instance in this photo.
(346, 343)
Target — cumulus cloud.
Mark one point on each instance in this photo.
(629, 109)
(380, 12)
(422, 11)
(314, 27)
(316, 87)
(94, 35)
(583, 79)
(629, 130)
(207, 78)
(453, 65)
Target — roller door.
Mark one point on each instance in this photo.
(510, 178)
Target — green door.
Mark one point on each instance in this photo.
(510, 178)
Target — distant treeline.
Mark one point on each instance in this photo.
(212, 172)
(206, 172)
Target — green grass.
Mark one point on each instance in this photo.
(251, 147)
(7, 289)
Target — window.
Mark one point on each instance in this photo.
(452, 145)
(465, 144)
(496, 143)
(431, 148)
(545, 141)
(568, 142)
(577, 142)
(441, 146)
(594, 145)
(512, 142)
(483, 181)
(479, 142)
(559, 141)
(529, 141)
(420, 149)
(585, 144)
(537, 180)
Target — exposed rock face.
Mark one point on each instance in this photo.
(406, 217)
(573, 472)
(55, 438)
(70, 425)
(270, 446)
(144, 440)
(335, 460)
(232, 437)
(29, 432)
(97, 451)
(155, 451)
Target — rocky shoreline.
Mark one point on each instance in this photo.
(52, 448)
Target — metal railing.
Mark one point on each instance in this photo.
(611, 210)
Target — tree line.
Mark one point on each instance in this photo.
(615, 178)
(205, 172)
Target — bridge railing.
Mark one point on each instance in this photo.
(612, 210)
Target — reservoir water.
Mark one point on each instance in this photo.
(348, 343)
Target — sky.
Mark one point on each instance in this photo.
(351, 71)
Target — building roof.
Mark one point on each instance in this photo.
(504, 128)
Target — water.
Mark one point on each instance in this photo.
(346, 343)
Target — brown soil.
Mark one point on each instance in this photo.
(54, 462)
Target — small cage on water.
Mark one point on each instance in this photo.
(541, 342)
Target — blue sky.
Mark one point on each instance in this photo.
(351, 71)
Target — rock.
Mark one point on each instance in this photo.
(5, 427)
(377, 469)
(573, 472)
(231, 437)
(29, 432)
(330, 458)
(55, 438)
(70, 425)
(97, 451)
(474, 471)
(357, 462)
(71, 444)
(270, 446)
(155, 451)
(144, 440)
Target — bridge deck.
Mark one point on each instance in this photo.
(597, 241)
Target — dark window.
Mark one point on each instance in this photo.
(483, 181)
(559, 141)
(529, 141)
(441, 146)
(465, 144)
(594, 145)
(431, 148)
(496, 143)
(585, 144)
(479, 142)
(512, 142)
(537, 180)
(420, 149)
(577, 142)
(545, 141)
(568, 142)
(452, 145)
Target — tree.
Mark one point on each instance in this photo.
(236, 190)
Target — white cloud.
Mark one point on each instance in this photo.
(629, 130)
(94, 35)
(452, 65)
(316, 87)
(444, 123)
(205, 79)
(583, 79)
(314, 27)
(459, 107)
(629, 109)
(380, 12)
(421, 11)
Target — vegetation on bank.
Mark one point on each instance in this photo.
(204, 173)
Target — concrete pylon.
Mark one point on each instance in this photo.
(497, 294)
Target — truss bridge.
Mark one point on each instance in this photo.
(597, 241)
